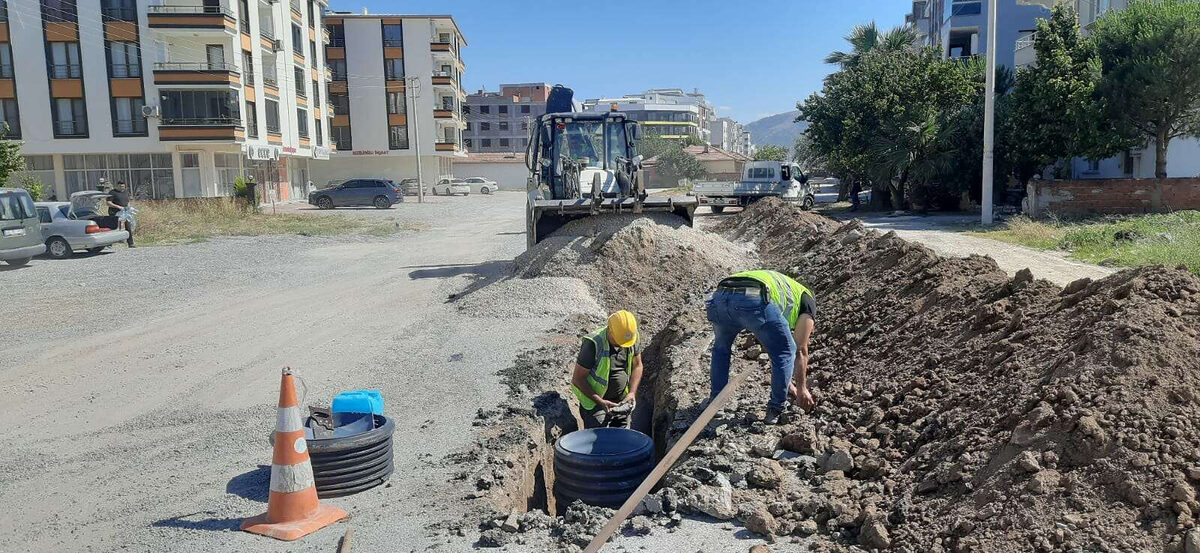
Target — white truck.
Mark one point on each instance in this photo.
(759, 180)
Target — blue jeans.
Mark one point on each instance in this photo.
(731, 313)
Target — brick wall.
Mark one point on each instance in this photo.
(1110, 196)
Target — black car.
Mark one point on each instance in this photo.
(381, 193)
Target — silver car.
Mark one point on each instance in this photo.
(66, 229)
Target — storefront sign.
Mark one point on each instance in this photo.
(370, 152)
(262, 153)
(320, 152)
(289, 149)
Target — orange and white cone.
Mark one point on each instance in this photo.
(292, 509)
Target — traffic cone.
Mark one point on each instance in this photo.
(292, 509)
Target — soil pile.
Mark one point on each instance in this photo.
(958, 409)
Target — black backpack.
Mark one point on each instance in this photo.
(561, 100)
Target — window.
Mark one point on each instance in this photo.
(485, 109)
(485, 126)
(70, 117)
(524, 125)
(118, 10)
(466, 109)
(393, 69)
(16, 206)
(395, 103)
(300, 80)
(200, 107)
(41, 169)
(216, 57)
(503, 142)
(10, 119)
(312, 51)
(338, 68)
(127, 117)
(302, 122)
(485, 143)
(59, 10)
(6, 64)
(524, 109)
(762, 173)
(341, 137)
(272, 117)
(312, 21)
(316, 92)
(504, 125)
(297, 40)
(244, 16)
(502, 109)
(149, 176)
(227, 171)
(469, 125)
(393, 36)
(317, 127)
(466, 142)
(125, 60)
(398, 137)
(248, 68)
(968, 7)
(251, 120)
(337, 35)
(341, 103)
(64, 60)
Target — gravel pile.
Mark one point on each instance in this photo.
(525, 297)
(958, 409)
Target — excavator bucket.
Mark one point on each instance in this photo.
(547, 216)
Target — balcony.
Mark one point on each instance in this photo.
(196, 73)
(269, 43)
(130, 127)
(70, 129)
(443, 78)
(119, 14)
(446, 145)
(195, 129)
(191, 18)
(443, 114)
(1024, 55)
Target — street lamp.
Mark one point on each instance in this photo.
(989, 115)
(412, 88)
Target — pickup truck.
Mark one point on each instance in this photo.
(759, 180)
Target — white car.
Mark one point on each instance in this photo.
(65, 230)
(450, 187)
(484, 186)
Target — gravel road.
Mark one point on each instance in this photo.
(140, 385)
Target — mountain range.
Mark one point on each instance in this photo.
(780, 129)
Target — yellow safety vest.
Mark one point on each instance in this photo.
(782, 290)
(598, 377)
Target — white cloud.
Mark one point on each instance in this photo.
(724, 108)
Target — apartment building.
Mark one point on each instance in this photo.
(748, 147)
(728, 135)
(377, 124)
(176, 98)
(959, 27)
(666, 112)
(499, 121)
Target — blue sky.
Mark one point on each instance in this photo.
(752, 58)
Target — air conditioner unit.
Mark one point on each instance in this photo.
(150, 111)
(278, 45)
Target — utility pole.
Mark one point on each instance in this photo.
(412, 87)
(989, 114)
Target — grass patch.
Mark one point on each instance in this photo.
(195, 220)
(1170, 239)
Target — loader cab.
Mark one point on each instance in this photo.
(583, 156)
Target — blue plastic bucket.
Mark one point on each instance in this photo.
(358, 401)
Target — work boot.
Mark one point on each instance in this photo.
(773, 415)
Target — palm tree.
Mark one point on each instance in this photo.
(867, 38)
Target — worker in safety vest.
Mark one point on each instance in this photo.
(607, 372)
(781, 313)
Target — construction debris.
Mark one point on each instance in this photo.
(957, 409)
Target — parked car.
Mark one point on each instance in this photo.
(409, 187)
(482, 185)
(450, 186)
(20, 238)
(381, 193)
(64, 230)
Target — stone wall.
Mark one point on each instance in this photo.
(1073, 198)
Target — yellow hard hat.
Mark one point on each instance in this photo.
(622, 328)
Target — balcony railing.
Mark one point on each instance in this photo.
(201, 121)
(66, 71)
(271, 81)
(267, 33)
(130, 126)
(125, 70)
(6, 71)
(248, 78)
(118, 14)
(213, 10)
(393, 43)
(337, 42)
(195, 66)
(1025, 42)
(296, 7)
(70, 128)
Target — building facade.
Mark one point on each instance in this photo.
(498, 122)
(666, 112)
(728, 135)
(378, 125)
(959, 27)
(177, 98)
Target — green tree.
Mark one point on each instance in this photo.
(805, 154)
(11, 160)
(771, 152)
(1054, 109)
(867, 38)
(652, 145)
(675, 164)
(1150, 73)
